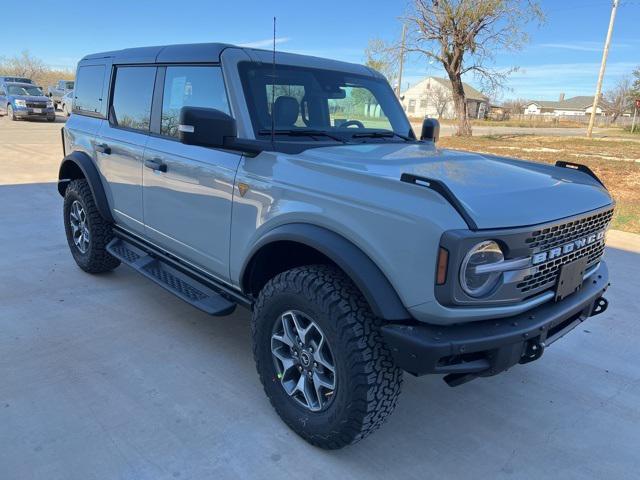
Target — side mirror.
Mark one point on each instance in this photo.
(206, 127)
(430, 130)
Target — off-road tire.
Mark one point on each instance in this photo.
(368, 381)
(96, 259)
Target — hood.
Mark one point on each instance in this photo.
(497, 192)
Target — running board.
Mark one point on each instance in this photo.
(183, 286)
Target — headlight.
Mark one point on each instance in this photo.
(20, 103)
(49, 104)
(475, 281)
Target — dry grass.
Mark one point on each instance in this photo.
(616, 162)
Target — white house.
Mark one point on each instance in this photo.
(432, 97)
(571, 106)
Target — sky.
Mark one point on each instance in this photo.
(563, 55)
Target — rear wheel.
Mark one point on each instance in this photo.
(87, 232)
(320, 357)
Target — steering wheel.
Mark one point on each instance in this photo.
(349, 123)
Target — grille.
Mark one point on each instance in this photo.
(547, 238)
(548, 272)
(36, 105)
(560, 234)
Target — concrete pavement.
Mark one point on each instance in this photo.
(110, 377)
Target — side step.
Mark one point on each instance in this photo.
(187, 288)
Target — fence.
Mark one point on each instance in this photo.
(579, 120)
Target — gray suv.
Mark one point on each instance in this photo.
(296, 188)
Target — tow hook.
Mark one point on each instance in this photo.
(533, 351)
(599, 306)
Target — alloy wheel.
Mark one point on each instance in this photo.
(79, 226)
(303, 359)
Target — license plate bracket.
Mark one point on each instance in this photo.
(570, 278)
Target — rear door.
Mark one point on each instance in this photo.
(187, 203)
(121, 141)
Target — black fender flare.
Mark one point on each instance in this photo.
(370, 280)
(68, 171)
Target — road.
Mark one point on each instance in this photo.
(111, 377)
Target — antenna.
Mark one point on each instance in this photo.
(273, 88)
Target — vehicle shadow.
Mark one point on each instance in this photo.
(121, 354)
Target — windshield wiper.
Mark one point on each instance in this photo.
(303, 133)
(382, 134)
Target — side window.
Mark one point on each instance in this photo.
(190, 87)
(132, 96)
(88, 92)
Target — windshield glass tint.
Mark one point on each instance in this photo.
(334, 102)
(23, 90)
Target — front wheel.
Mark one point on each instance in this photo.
(11, 114)
(321, 358)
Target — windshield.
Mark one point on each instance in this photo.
(69, 85)
(310, 102)
(24, 90)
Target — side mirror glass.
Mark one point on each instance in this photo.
(206, 127)
(430, 130)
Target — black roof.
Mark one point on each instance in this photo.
(195, 52)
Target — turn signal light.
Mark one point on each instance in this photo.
(443, 261)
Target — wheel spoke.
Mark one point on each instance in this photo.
(300, 329)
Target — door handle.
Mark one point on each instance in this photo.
(156, 164)
(103, 148)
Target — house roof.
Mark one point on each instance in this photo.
(469, 92)
(573, 103)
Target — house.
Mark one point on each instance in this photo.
(432, 97)
(582, 105)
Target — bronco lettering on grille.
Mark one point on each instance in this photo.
(567, 248)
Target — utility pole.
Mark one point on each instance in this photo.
(603, 66)
(402, 48)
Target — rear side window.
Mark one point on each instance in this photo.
(191, 87)
(88, 91)
(132, 97)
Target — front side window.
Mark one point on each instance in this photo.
(132, 96)
(299, 101)
(190, 87)
(88, 94)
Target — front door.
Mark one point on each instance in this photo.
(188, 190)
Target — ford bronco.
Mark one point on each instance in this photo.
(294, 186)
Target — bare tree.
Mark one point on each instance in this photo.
(463, 35)
(380, 57)
(515, 105)
(619, 100)
(440, 98)
(26, 65)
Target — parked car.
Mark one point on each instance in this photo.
(66, 104)
(59, 90)
(24, 100)
(361, 250)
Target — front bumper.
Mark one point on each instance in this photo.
(31, 113)
(485, 348)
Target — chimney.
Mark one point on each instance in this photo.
(561, 99)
